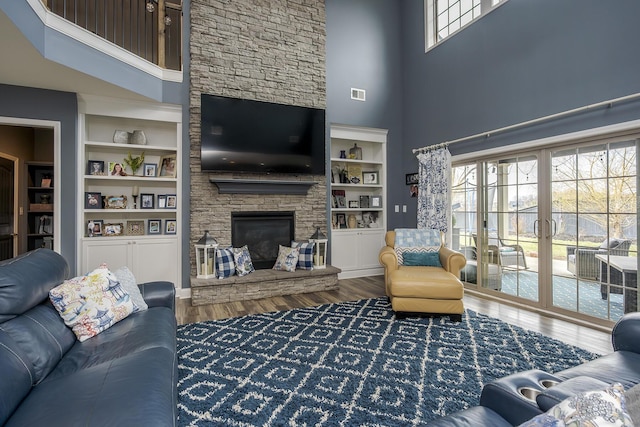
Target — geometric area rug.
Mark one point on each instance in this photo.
(350, 364)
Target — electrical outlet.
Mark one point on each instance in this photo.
(397, 208)
(404, 208)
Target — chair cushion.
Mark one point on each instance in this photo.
(425, 282)
(611, 243)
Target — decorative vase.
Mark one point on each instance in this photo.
(121, 137)
(355, 152)
(352, 221)
(138, 137)
(343, 154)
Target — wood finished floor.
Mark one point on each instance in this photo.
(372, 287)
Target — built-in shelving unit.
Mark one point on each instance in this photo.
(143, 232)
(358, 199)
(40, 192)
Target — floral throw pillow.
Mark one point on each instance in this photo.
(93, 303)
(590, 409)
(305, 258)
(242, 258)
(287, 259)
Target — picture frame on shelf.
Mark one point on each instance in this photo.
(341, 202)
(376, 201)
(354, 204)
(172, 201)
(168, 166)
(411, 178)
(154, 226)
(92, 200)
(150, 169)
(162, 201)
(94, 227)
(116, 169)
(95, 167)
(370, 177)
(341, 220)
(135, 228)
(370, 219)
(170, 226)
(364, 201)
(354, 173)
(146, 201)
(115, 202)
(113, 229)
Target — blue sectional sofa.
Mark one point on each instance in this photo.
(517, 398)
(124, 376)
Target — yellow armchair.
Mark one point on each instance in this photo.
(423, 289)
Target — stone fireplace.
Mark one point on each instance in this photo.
(262, 232)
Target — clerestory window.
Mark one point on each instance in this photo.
(445, 17)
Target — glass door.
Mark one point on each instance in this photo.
(594, 239)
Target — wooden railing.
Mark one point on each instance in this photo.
(151, 29)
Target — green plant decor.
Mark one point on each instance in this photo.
(134, 163)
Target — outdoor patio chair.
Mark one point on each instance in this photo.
(582, 262)
(503, 254)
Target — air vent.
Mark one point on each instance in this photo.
(358, 94)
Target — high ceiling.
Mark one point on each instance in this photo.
(23, 65)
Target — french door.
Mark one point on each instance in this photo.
(554, 228)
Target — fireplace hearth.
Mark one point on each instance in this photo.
(262, 232)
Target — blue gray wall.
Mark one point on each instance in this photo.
(364, 51)
(524, 60)
(31, 103)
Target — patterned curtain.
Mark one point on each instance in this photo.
(434, 189)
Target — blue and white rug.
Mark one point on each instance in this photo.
(349, 364)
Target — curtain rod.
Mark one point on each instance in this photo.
(608, 103)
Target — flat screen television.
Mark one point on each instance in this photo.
(240, 135)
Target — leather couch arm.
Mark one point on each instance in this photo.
(452, 261)
(389, 260)
(625, 333)
(159, 294)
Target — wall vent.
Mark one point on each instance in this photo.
(358, 94)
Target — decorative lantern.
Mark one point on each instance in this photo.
(206, 256)
(319, 249)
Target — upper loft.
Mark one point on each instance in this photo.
(90, 47)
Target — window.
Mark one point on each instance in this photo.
(445, 17)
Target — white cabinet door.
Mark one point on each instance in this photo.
(156, 259)
(344, 250)
(114, 253)
(370, 244)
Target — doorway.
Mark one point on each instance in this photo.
(8, 203)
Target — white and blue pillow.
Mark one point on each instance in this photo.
(225, 263)
(412, 240)
(305, 257)
(287, 258)
(242, 258)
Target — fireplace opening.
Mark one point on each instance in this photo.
(262, 232)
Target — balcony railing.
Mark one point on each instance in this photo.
(151, 29)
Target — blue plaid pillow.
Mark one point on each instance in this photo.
(225, 264)
(305, 258)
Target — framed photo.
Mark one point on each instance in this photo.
(168, 166)
(172, 201)
(354, 204)
(170, 226)
(341, 202)
(94, 227)
(95, 167)
(154, 226)
(364, 201)
(92, 200)
(116, 169)
(115, 202)
(376, 201)
(150, 169)
(371, 177)
(341, 220)
(135, 228)
(146, 201)
(354, 173)
(162, 201)
(412, 178)
(113, 229)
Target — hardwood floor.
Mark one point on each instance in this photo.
(371, 287)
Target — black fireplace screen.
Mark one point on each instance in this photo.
(262, 232)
